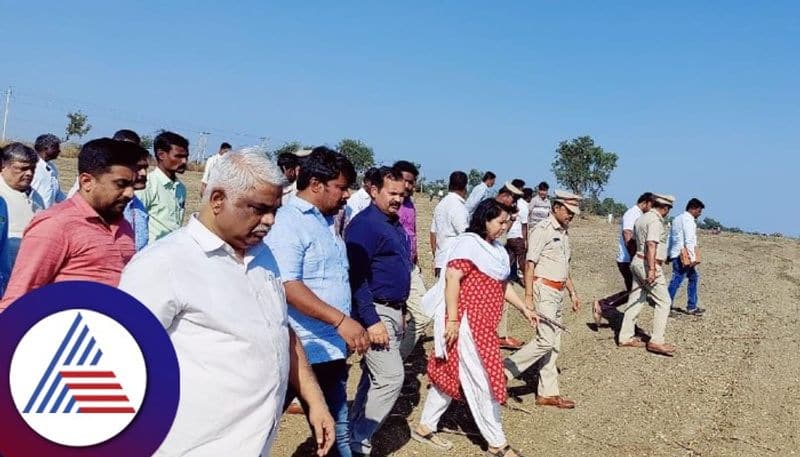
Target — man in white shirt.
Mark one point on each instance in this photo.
(517, 239)
(217, 290)
(626, 250)
(210, 164)
(450, 219)
(480, 192)
(683, 235)
(19, 165)
(290, 163)
(539, 207)
(45, 179)
(360, 200)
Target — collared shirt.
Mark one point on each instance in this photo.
(683, 234)
(307, 249)
(45, 182)
(628, 219)
(408, 219)
(538, 210)
(357, 202)
(21, 208)
(521, 218)
(165, 201)
(5, 267)
(651, 227)
(67, 242)
(380, 263)
(478, 194)
(227, 320)
(450, 219)
(136, 215)
(211, 162)
(548, 248)
(290, 189)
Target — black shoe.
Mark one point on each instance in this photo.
(696, 312)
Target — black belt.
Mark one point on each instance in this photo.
(396, 304)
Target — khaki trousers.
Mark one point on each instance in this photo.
(417, 320)
(657, 293)
(545, 347)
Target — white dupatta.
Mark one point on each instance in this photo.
(490, 259)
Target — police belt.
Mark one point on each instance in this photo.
(658, 262)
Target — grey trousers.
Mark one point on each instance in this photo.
(417, 320)
(380, 384)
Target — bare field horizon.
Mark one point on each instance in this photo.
(733, 388)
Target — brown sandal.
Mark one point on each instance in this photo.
(503, 452)
(632, 343)
(432, 440)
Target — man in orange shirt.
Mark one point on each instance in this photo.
(84, 237)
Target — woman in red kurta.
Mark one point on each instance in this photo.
(466, 306)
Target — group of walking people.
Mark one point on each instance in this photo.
(286, 271)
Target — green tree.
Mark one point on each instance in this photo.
(710, 224)
(583, 167)
(289, 146)
(147, 142)
(77, 125)
(474, 177)
(358, 152)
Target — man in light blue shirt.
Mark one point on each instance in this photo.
(5, 264)
(480, 192)
(683, 235)
(314, 269)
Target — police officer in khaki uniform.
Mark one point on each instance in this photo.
(546, 277)
(652, 233)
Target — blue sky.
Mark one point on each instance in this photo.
(697, 99)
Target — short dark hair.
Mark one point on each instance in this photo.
(325, 165)
(458, 181)
(45, 141)
(165, 140)
(18, 152)
(287, 160)
(543, 186)
(695, 203)
(488, 175)
(518, 183)
(225, 145)
(527, 192)
(98, 156)
(406, 166)
(390, 173)
(486, 211)
(372, 175)
(645, 197)
(127, 135)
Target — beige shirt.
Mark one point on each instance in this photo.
(651, 227)
(548, 248)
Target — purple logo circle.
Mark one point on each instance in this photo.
(88, 371)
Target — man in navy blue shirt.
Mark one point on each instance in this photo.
(380, 278)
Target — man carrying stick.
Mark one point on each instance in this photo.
(545, 280)
(651, 235)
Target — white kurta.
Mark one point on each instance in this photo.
(227, 320)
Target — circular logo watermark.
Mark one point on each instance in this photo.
(91, 372)
(78, 377)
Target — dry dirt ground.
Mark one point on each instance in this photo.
(733, 388)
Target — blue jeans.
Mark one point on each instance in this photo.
(679, 272)
(332, 379)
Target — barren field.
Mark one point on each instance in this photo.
(733, 388)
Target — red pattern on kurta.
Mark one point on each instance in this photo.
(482, 298)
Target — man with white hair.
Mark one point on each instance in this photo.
(226, 316)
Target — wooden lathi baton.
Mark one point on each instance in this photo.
(551, 322)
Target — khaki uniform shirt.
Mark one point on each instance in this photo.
(548, 248)
(651, 227)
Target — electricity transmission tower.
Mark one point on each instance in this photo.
(5, 113)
